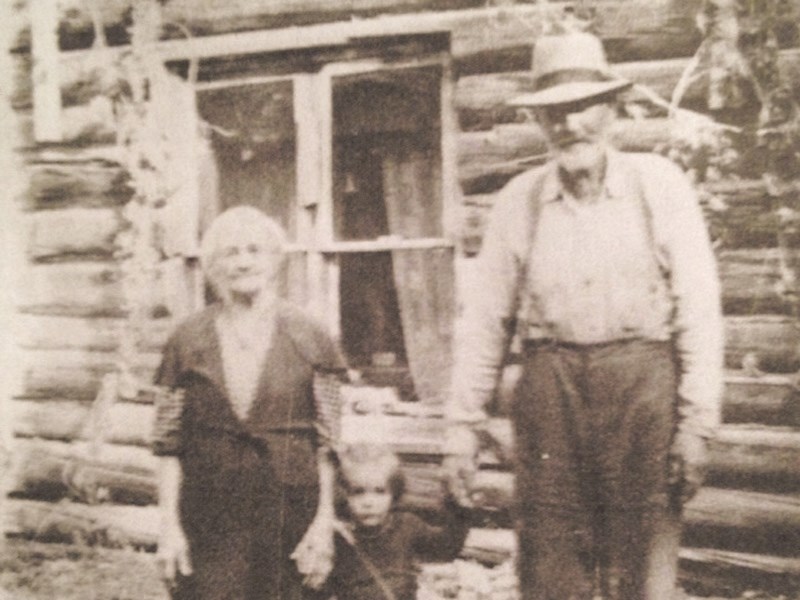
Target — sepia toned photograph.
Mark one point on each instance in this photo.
(400, 300)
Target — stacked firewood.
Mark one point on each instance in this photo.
(468, 580)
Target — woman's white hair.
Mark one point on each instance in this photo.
(232, 221)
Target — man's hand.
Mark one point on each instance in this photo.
(314, 553)
(688, 457)
(173, 554)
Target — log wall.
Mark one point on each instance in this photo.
(70, 302)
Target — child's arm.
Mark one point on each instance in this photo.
(443, 542)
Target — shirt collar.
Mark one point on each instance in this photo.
(614, 185)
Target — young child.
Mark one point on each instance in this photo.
(376, 548)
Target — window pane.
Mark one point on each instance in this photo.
(253, 139)
(387, 154)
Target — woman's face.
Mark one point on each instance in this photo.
(368, 496)
(245, 263)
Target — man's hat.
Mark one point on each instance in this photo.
(567, 68)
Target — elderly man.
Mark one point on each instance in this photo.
(600, 261)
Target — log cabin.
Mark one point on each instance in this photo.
(376, 132)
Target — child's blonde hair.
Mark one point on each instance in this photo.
(374, 457)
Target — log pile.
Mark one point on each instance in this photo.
(748, 518)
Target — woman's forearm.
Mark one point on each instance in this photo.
(170, 477)
(327, 478)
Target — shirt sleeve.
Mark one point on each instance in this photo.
(698, 322)
(445, 541)
(169, 404)
(489, 309)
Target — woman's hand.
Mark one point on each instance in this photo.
(460, 462)
(314, 553)
(173, 554)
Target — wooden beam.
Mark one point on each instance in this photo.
(124, 423)
(719, 518)
(738, 572)
(755, 457)
(74, 374)
(488, 159)
(44, 332)
(82, 524)
(751, 280)
(475, 30)
(76, 185)
(85, 289)
(73, 233)
(773, 342)
(764, 399)
(744, 521)
(482, 99)
(113, 473)
(46, 88)
(709, 568)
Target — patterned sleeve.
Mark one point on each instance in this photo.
(169, 404)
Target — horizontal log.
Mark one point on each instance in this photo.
(481, 100)
(743, 217)
(73, 233)
(69, 420)
(744, 521)
(73, 289)
(752, 457)
(74, 375)
(83, 289)
(105, 473)
(712, 569)
(736, 573)
(127, 474)
(718, 518)
(765, 399)
(22, 94)
(487, 159)
(636, 29)
(42, 332)
(770, 343)
(752, 280)
(72, 185)
(82, 524)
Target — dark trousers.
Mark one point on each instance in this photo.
(593, 428)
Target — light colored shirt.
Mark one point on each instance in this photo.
(637, 262)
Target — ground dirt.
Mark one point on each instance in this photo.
(41, 571)
(47, 571)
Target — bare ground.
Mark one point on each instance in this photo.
(42, 571)
(32, 570)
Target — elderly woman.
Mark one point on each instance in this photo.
(243, 482)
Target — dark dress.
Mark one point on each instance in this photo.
(393, 551)
(250, 487)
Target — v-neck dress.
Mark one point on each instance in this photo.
(249, 486)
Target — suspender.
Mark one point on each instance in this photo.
(517, 320)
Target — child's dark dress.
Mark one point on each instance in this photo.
(393, 550)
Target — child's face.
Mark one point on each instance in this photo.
(368, 496)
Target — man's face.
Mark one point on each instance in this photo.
(577, 132)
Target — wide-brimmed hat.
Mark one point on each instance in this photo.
(568, 68)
